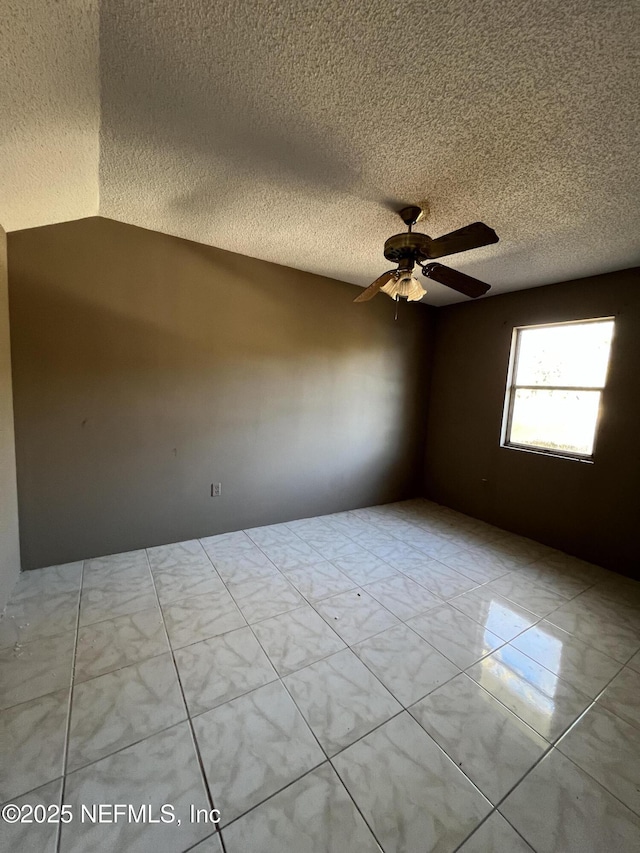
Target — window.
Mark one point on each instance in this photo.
(556, 378)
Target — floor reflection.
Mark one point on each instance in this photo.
(519, 682)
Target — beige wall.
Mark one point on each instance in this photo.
(147, 367)
(591, 510)
(9, 548)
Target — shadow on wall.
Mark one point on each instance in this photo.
(239, 118)
(147, 367)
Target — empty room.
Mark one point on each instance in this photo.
(319, 420)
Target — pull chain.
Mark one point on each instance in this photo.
(397, 303)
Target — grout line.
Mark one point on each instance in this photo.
(127, 746)
(40, 695)
(296, 590)
(280, 680)
(217, 833)
(328, 758)
(552, 746)
(112, 618)
(15, 797)
(593, 778)
(504, 643)
(493, 811)
(65, 760)
(308, 602)
(189, 721)
(356, 805)
(124, 666)
(275, 793)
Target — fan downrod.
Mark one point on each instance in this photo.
(410, 215)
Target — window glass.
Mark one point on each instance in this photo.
(575, 354)
(555, 420)
(555, 397)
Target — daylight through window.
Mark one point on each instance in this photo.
(557, 375)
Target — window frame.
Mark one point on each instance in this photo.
(512, 387)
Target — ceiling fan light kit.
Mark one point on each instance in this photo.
(412, 248)
(405, 286)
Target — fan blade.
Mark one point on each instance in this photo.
(469, 237)
(374, 288)
(457, 280)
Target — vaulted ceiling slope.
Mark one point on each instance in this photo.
(291, 131)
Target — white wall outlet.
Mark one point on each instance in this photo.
(216, 490)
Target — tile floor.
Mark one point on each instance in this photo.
(399, 678)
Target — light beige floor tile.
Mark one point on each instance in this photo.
(221, 668)
(622, 696)
(558, 808)
(355, 615)
(332, 545)
(530, 679)
(340, 699)
(176, 584)
(252, 747)
(547, 703)
(363, 567)
(179, 556)
(296, 639)
(634, 662)
(405, 663)
(200, 617)
(35, 669)
(114, 643)
(584, 667)
(265, 596)
(607, 633)
(272, 534)
(533, 597)
(410, 793)
(495, 835)
(608, 749)
(43, 603)
(320, 580)
(479, 565)
(291, 554)
(108, 596)
(497, 614)
(162, 769)
(402, 596)
(492, 746)
(314, 815)
(459, 638)
(212, 844)
(115, 710)
(39, 837)
(32, 742)
(440, 579)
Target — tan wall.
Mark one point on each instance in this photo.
(592, 511)
(9, 547)
(147, 367)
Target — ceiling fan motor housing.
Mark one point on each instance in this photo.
(408, 249)
(407, 246)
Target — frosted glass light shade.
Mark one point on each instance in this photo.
(406, 286)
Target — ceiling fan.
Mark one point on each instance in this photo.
(408, 249)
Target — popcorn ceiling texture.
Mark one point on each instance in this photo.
(49, 111)
(290, 131)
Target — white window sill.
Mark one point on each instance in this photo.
(540, 451)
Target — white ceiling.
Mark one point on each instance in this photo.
(291, 131)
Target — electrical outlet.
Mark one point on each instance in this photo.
(216, 490)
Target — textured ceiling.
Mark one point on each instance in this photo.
(291, 130)
(49, 111)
